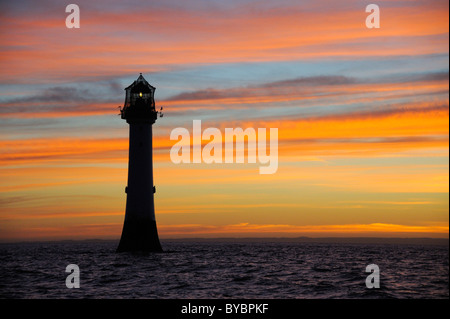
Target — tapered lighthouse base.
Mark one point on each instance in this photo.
(139, 236)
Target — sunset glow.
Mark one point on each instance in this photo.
(362, 117)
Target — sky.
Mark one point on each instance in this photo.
(362, 116)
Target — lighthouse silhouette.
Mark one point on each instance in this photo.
(139, 228)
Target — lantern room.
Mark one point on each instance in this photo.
(139, 101)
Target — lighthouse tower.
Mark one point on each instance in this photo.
(139, 229)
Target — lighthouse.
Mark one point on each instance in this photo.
(139, 231)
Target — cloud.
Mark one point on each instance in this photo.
(181, 35)
(92, 99)
(297, 230)
(84, 99)
(56, 95)
(71, 149)
(217, 94)
(314, 96)
(312, 81)
(110, 229)
(94, 92)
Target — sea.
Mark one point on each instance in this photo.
(209, 269)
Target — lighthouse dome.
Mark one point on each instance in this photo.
(139, 100)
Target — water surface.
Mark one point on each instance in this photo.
(224, 270)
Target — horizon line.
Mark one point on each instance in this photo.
(300, 239)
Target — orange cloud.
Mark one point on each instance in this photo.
(389, 131)
(296, 230)
(289, 33)
(111, 231)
